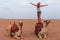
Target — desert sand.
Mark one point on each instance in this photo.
(28, 29)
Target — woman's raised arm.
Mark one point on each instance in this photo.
(43, 5)
(32, 4)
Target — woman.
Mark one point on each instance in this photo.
(38, 10)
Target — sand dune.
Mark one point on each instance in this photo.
(28, 30)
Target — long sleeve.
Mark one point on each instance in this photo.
(32, 4)
(43, 5)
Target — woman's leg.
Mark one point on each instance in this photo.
(39, 17)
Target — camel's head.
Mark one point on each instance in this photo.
(46, 22)
(20, 23)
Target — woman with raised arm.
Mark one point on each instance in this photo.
(38, 10)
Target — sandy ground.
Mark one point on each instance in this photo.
(28, 30)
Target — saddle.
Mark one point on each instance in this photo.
(14, 28)
(38, 26)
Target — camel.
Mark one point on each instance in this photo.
(43, 32)
(15, 32)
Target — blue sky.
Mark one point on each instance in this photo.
(21, 9)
